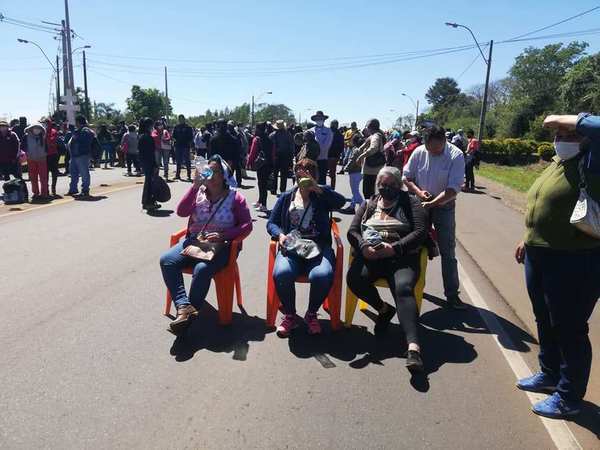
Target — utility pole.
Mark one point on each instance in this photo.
(86, 107)
(66, 83)
(417, 114)
(166, 94)
(485, 95)
(252, 114)
(57, 83)
(69, 49)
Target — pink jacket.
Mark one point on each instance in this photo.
(243, 220)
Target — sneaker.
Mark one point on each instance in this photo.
(540, 382)
(287, 325)
(456, 303)
(312, 322)
(71, 193)
(555, 407)
(383, 319)
(414, 363)
(262, 209)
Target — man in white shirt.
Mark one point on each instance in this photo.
(324, 137)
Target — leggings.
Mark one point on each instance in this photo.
(401, 276)
(52, 161)
(263, 175)
(369, 186)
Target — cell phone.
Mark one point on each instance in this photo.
(378, 246)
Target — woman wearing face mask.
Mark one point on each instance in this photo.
(304, 210)
(386, 235)
(562, 266)
(372, 156)
(35, 148)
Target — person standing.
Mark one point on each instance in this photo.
(162, 144)
(52, 153)
(121, 130)
(335, 151)
(201, 141)
(183, 135)
(236, 163)
(146, 146)
(348, 135)
(324, 137)
(371, 156)
(283, 151)
(470, 160)
(223, 143)
(34, 145)
(9, 152)
(260, 159)
(562, 266)
(435, 173)
(80, 148)
(353, 167)
(129, 144)
(107, 144)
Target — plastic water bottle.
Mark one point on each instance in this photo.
(292, 239)
(202, 168)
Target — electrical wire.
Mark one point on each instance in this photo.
(468, 67)
(28, 25)
(590, 31)
(555, 24)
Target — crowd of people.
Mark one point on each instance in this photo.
(410, 183)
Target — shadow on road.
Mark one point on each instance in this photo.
(589, 418)
(89, 198)
(471, 321)
(206, 334)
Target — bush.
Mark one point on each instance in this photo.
(509, 151)
(545, 151)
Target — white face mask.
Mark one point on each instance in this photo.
(566, 150)
(320, 123)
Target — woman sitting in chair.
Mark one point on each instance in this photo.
(300, 222)
(387, 234)
(218, 215)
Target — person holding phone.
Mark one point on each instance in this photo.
(304, 211)
(386, 235)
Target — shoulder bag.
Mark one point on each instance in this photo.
(586, 214)
(203, 250)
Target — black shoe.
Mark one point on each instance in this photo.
(456, 303)
(85, 193)
(414, 363)
(383, 320)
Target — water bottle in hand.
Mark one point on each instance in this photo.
(203, 171)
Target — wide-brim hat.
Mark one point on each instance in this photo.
(4, 123)
(319, 116)
(280, 124)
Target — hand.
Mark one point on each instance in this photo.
(520, 253)
(369, 253)
(427, 205)
(213, 237)
(385, 251)
(198, 181)
(282, 239)
(424, 195)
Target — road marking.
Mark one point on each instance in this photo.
(558, 430)
(63, 201)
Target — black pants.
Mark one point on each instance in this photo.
(281, 171)
(8, 169)
(147, 194)
(401, 275)
(470, 175)
(132, 160)
(52, 162)
(368, 186)
(323, 165)
(263, 174)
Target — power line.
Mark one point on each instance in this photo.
(468, 67)
(557, 23)
(590, 31)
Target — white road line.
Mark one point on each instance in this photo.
(557, 429)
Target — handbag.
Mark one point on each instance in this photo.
(296, 245)
(586, 214)
(204, 250)
(160, 189)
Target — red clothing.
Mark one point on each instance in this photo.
(51, 137)
(9, 148)
(473, 146)
(159, 140)
(408, 150)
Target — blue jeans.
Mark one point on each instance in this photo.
(355, 179)
(444, 221)
(564, 287)
(80, 166)
(320, 275)
(108, 149)
(171, 265)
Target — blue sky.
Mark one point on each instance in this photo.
(215, 49)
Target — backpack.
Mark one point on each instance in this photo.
(15, 192)
(160, 189)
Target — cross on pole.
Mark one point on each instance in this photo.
(69, 106)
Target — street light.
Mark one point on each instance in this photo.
(252, 112)
(416, 105)
(81, 48)
(25, 41)
(488, 63)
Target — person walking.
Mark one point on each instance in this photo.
(223, 143)
(52, 153)
(435, 173)
(146, 146)
(324, 137)
(335, 151)
(80, 148)
(183, 136)
(562, 266)
(471, 156)
(283, 150)
(9, 152)
(34, 145)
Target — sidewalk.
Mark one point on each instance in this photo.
(489, 230)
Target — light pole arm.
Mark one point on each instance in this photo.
(41, 50)
(455, 25)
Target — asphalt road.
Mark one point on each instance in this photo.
(87, 361)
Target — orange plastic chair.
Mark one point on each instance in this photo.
(333, 302)
(223, 281)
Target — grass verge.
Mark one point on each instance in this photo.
(515, 177)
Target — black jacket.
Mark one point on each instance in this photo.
(183, 135)
(337, 145)
(415, 213)
(224, 144)
(146, 149)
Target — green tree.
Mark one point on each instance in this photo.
(274, 112)
(580, 89)
(148, 102)
(106, 112)
(443, 92)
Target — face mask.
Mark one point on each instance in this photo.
(388, 193)
(320, 123)
(566, 150)
(37, 132)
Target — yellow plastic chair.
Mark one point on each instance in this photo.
(352, 300)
